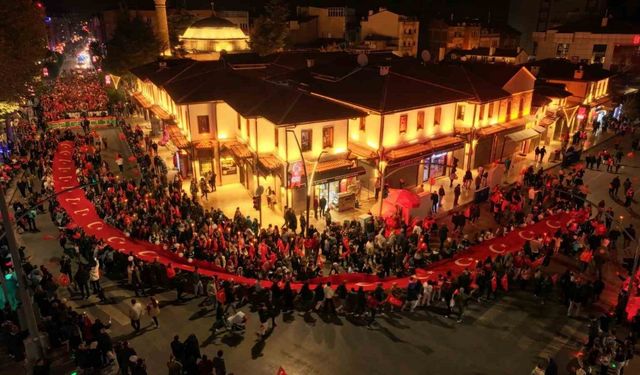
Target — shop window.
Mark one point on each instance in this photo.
(276, 138)
(437, 116)
(327, 137)
(363, 124)
(305, 139)
(420, 123)
(203, 124)
(460, 115)
(404, 119)
(598, 52)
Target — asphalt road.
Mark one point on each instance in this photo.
(502, 337)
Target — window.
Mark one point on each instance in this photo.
(509, 110)
(420, 123)
(598, 52)
(481, 114)
(305, 139)
(460, 115)
(276, 138)
(521, 107)
(248, 129)
(327, 137)
(363, 124)
(562, 50)
(203, 124)
(336, 12)
(404, 119)
(490, 111)
(437, 114)
(239, 124)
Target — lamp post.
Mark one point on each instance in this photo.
(304, 167)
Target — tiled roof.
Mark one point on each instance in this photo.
(562, 69)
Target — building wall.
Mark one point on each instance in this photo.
(393, 137)
(330, 26)
(303, 32)
(203, 109)
(580, 45)
(382, 23)
(288, 140)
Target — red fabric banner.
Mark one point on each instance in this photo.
(83, 214)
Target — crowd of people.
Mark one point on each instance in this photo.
(74, 93)
(155, 209)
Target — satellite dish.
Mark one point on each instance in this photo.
(425, 55)
(363, 60)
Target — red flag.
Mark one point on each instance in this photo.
(537, 263)
(221, 297)
(394, 301)
(494, 284)
(281, 371)
(504, 282)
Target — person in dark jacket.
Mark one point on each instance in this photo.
(82, 279)
(177, 348)
(218, 364)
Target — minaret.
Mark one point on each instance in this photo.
(163, 26)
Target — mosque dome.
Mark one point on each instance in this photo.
(214, 34)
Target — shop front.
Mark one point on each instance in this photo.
(181, 158)
(237, 165)
(416, 164)
(270, 170)
(338, 183)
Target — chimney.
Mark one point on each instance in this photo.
(492, 51)
(310, 63)
(535, 70)
(604, 22)
(384, 70)
(578, 73)
(163, 26)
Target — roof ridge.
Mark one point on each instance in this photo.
(428, 83)
(290, 107)
(473, 87)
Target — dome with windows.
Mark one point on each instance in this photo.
(214, 35)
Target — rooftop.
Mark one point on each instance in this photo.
(594, 25)
(563, 69)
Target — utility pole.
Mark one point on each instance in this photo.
(34, 339)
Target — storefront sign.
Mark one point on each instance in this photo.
(582, 113)
(297, 171)
(228, 167)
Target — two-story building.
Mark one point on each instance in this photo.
(588, 85)
(386, 30)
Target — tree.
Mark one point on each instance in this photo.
(270, 30)
(133, 44)
(631, 106)
(22, 46)
(178, 23)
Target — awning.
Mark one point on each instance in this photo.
(238, 150)
(176, 136)
(160, 112)
(269, 164)
(604, 101)
(205, 144)
(499, 128)
(539, 129)
(363, 152)
(421, 150)
(141, 99)
(331, 175)
(548, 120)
(522, 135)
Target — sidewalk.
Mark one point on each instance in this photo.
(231, 196)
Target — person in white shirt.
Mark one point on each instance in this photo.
(427, 293)
(328, 299)
(135, 312)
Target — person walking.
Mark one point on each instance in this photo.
(82, 279)
(543, 151)
(153, 309)
(94, 276)
(434, 202)
(322, 205)
(467, 179)
(135, 312)
(440, 196)
(218, 364)
(456, 195)
(120, 162)
(204, 189)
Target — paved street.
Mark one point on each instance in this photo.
(503, 337)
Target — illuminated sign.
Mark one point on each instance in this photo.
(582, 113)
(636, 39)
(297, 171)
